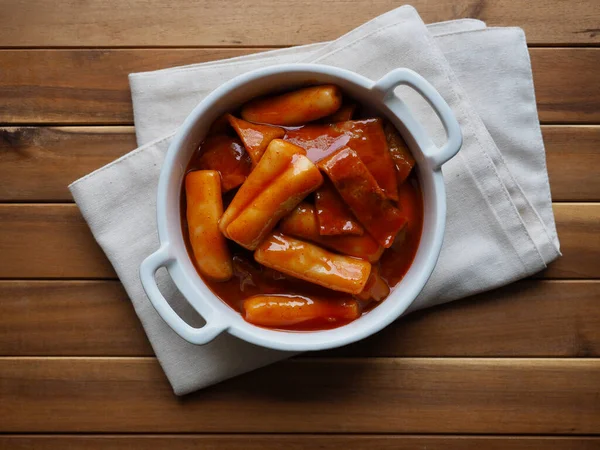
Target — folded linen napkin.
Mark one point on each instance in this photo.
(500, 225)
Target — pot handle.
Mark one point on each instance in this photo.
(436, 156)
(199, 336)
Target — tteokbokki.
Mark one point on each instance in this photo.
(301, 211)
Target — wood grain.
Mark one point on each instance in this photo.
(53, 241)
(182, 23)
(573, 159)
(294, 442)
(49, 241)
(83, 86)
(528, 318)
(91, 86)
(412, 395)
(69, 318)
(38, 163)
(559, 97)
(418, 376)
(578, 228)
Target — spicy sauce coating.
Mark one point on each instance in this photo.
(275, 161)
(366, 137)
(296, 107)
(271, 293)
(334, 216)
(277, 199)
(357, 186)
(256, 137)
(204, 208)
(302, 223)
(250, 278)
(227, 156)
(289, 310)
(314, 264)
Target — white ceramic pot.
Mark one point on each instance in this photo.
(378, 95)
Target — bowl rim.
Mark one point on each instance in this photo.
(212, 308)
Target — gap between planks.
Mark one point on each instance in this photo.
(524, 360)
(323, 441)
(265, 47)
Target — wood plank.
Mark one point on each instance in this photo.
(49, 241)
(53, 241)
(578, 228)
(295, 442)
(90, 86)
(76, 318)
(83, 86)
(37, 163)
(573, 159)
(559, 97)
(180, 23)
(528, 318)
(412, 395)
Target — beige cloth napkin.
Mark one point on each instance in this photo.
(500, 224)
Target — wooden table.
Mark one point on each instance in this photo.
(513, 369)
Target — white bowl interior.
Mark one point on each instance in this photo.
(190, 283)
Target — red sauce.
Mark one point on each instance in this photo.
(250, 278)
(366, 137)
